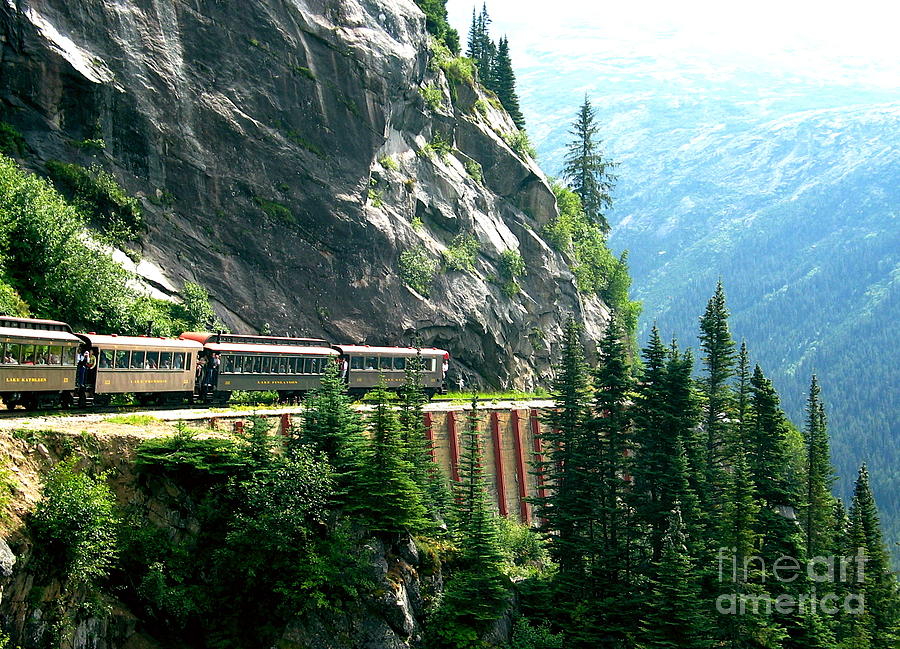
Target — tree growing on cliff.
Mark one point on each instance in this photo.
(505, 83)
(438, 25)
(586, 169)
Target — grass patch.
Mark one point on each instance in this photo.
(133, 420)
(500, 395)
(475, 171)
(388, 163)
(94, 145)
(511, 267)
(434, 98)
(302, 142)
(305, 72)
(518, 141)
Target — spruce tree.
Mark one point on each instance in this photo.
(675, 615)
(388, 499)
(505, 83)
(743, 392)
(818, 510)
(331, 427)
(871, 574)
(604, 459)
(425, 472)
(588, 172)
(718, 364)
(477, 590)
(567, 508)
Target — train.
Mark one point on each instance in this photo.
(42, 364)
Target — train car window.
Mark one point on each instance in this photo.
(317, 366)
(68, 356)
(187, 360)
(165, 360)
(41, 352)
(290, 365)
(399, 363)
(120, 359)
(387, 363)
(371, 363)
(104, 358)
(27, 354)
(266, 365)
(257, 364)
(13, 354)
(356, 363)
(178, 361)
(284, 365)
(55, 357)
(152, 361)
(137, 360)
(228, 364)
(429, 365)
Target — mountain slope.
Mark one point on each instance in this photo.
(282, 153)
(785, 188)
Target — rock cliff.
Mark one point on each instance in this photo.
(286, 157)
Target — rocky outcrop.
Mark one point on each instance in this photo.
(280, 151)
(39, 610)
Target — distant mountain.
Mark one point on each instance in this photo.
(786, 188)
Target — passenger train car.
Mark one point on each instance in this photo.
(42, 364)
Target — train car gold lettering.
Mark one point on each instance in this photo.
(26, 379)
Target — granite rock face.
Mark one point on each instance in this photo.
(281, 152)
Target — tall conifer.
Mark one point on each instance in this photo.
(505, 83)
(588, 172)
(818, 510)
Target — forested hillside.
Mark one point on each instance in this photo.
(783, 187)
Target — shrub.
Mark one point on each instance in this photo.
(434, 98)
(91, 144)
(418, 268)
(526, 636)
(441, 145)
(190, 458)
(100, 197)
(275, 211)
(11, 141)
(518, 141)
(511, 267)
(462, 252)
(480, 107)
(474, 170)
(74, 524)
(459, 70)
(523, 550)
(8, 489)
(388, 163)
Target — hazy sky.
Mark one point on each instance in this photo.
(856, 41)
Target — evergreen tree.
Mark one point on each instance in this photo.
(437, 24)
(743, 392)
(477, 590)
(603, 458)
(588, 172)
(675, 616)
(818, 510)
(505, 82)
(567, 509)
(425, 472)
(718, 363)
(388, 498)
(871, 571)
(481, 49)
(329, 426)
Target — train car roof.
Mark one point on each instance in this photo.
(390, 351)
(136, 342)
(248, 339)
(35, 321)
(39, 334)
(307, 350)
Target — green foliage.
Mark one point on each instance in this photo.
(437, 24)
(595, 268)
(511, 267)
(388, 163)
(133, 420)
(462, 252)
(505, 84)
(434, 98)
(276, 211)
(100, 197)
(11, 141)
(527, 636)
(74, 524)
(586, 168)
(474, 170)
(524, 551)
(11, 303)
(418, 268)
(187, 457)
(480, 107)
(518, 141)
(91, 144)
(441, 145)
(8, 488)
